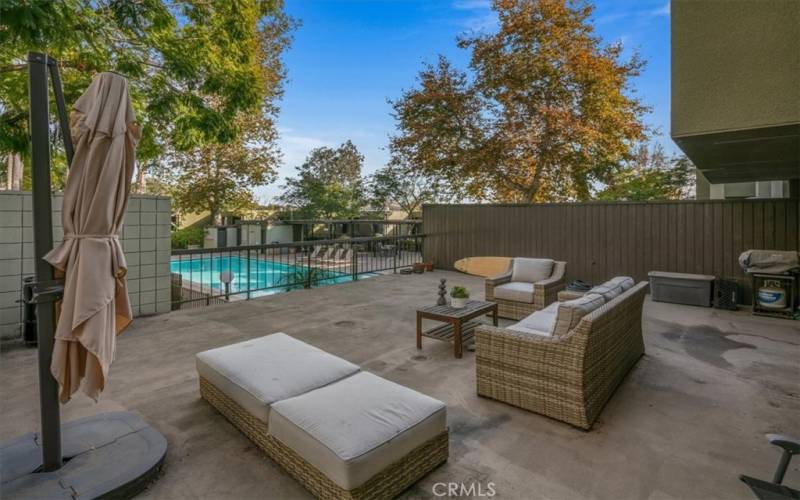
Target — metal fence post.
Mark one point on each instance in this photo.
(248, 274)
(394, 256)
(354, 262)
(308, 271)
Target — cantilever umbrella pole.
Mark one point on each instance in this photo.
(43, 243)
(63, 118)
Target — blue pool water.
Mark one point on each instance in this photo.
(260, 276)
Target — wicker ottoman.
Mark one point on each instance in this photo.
(362, 437)
(340, 432)
(257, 373)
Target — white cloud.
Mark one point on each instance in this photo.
(295, 149)
(486, 22)
(302, 141)
(643, 15)
(614, 16)
(479, 16)
(471, 4)
(662, 11)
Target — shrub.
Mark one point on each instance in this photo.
(302, 277)
(181, 238)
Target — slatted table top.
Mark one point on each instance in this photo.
(472, 309)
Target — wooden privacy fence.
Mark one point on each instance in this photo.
(602, 240)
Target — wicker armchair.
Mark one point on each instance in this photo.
(544, 292)
(570, 377)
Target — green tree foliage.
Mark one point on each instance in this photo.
(545, 112)
(651, 175)
(407, 188)
(195, 66)
(218, 177)
(328, 184)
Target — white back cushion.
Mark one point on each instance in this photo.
(531, 270)
(571, 312)
(613, 287)
(607, 291)
(625, 282)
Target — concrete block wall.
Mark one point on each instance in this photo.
(145, 240)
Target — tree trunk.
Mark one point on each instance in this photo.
(410, 208)
(9, 171)
(14, 172)
(216, 217)
(141, 183)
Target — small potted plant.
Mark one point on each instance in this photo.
(459, 296)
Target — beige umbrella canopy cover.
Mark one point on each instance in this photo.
(95, 305)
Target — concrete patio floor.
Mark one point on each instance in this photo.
(687, 420)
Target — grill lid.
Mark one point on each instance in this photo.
(769, 261)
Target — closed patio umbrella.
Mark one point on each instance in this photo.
(111, 454)
(95, 306)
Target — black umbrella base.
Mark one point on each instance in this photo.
(111, 455)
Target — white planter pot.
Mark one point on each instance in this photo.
(458, 303)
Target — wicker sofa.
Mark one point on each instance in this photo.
(519, 292)
(570, 372)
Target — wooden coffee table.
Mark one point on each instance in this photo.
(458, 326)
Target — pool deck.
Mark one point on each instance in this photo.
(687, 420)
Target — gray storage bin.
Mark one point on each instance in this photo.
(680, 288)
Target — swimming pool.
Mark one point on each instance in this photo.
(261, 277)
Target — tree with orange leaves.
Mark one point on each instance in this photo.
(547, 112)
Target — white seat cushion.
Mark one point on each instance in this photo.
(531, 270)
(515, 291)
(355, 428)
(258, 372)
(538, 323)
(571, 312)
(530, 331)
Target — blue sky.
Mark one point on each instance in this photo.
(350, 56)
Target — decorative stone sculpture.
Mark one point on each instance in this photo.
(442, 292)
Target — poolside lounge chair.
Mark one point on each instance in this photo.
(329, 252)
(346, 257)
(339, 431)
(528, 285)
(335, 257)
(315, 253)
(566, 360)
(341, 258)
